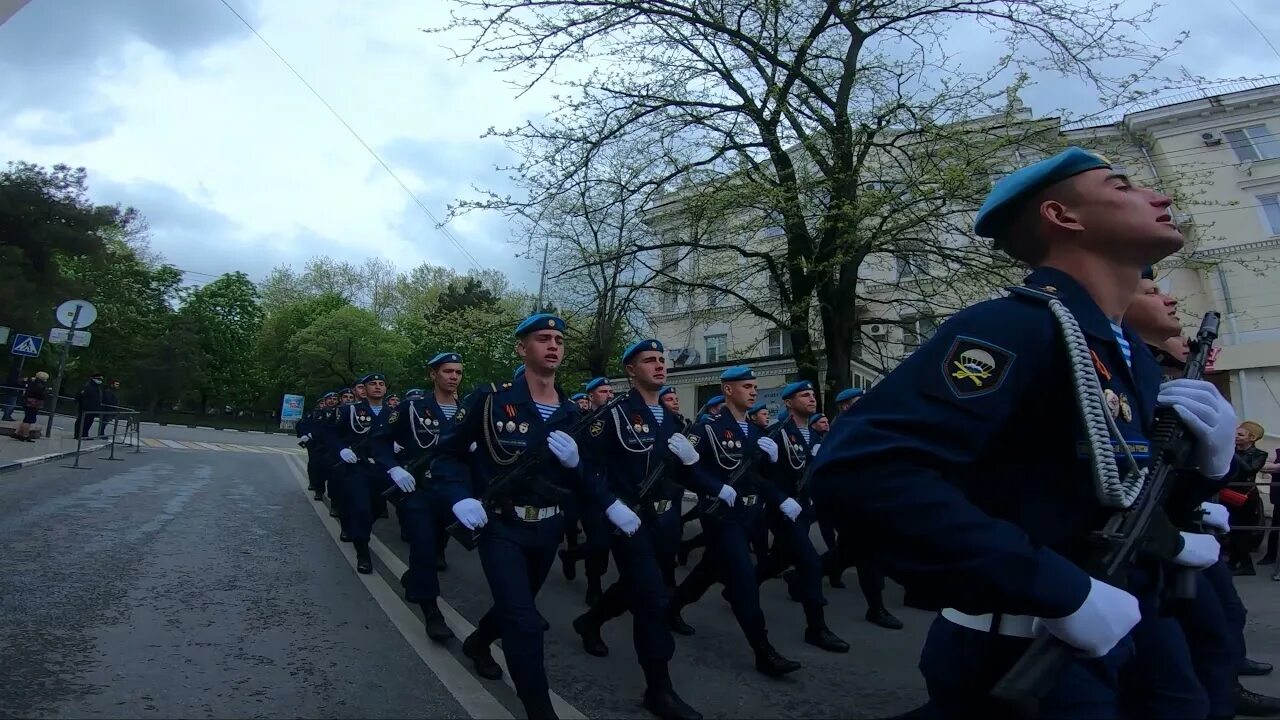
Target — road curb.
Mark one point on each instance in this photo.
(49, 457)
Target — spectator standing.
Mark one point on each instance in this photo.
(88, 403)
(1273, 537)
(1242, 498)
(32, 401)
(109, 402)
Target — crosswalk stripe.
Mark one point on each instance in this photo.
(174, 444)
(246, 448)
(151, 443)
(207, 446)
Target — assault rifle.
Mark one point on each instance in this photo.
(523, 476)
(1117, 545)
(640, 503)
(746, 465)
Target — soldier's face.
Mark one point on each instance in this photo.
(393, 402)
(584, 404)
(600, 395)
(360, 391)
(648, 369)
(762, 418)
(348, 398)
(822, 425)
(330, 401)
(447, 377)
(1152, 313)
(740, 394)
(671, 402)
(1120, 220)
(541, 350)
(803, 403)
(375, 389)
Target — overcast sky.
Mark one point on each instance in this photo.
(177, 109)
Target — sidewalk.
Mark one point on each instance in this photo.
(15, 455)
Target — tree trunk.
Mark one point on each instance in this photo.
(839, 325)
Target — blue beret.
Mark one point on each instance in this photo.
(540, 321)
(413, 393)
(737, 372)
(578, 396)
(393, 395)
(597, 382)
(796, 387)
(344, 390)
(715, 400)
(519, 371)
(762, 405)
(849, 394)
(639, 345)
(816, 417)
(371, 377)
(328, 395)
(666, 390)
(1012, 191)
(444, 357)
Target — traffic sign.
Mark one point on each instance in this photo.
(26, 345)
(67, 314)
(57, 336)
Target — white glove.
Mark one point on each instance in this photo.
(402, 478)
(472, 448)
(1198, 551)
(814, 451)
(305, 438)
(623, 517)
(470, 513)
(769, 447)
(727, 495)
(564, 448)
(1216, 516)
(1209, 418)
(348, 456)
(790, 508)
(397, 447)
(680, 446)
(1107, 615)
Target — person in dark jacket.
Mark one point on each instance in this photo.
(32, 401)
(1247, 511)
(109, 402)
(88, 403)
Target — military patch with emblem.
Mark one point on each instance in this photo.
(462, 413)
(693, 439)
(597, 428)
(975, 367)
(394, 416)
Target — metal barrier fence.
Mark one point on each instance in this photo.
(132, 429)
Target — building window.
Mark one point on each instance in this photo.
(716, 347)
(668, 297)
(777, 342)
(1270, 206)
(715, 297)
(1253, 143)
(916, 331)
(912, 260)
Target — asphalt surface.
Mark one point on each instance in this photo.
(205, 583)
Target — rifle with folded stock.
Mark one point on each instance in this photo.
(1141, 527)
(524, 476)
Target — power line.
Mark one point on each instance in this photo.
(422, 206)
(1257, 29)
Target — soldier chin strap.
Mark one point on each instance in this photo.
(1113, 491)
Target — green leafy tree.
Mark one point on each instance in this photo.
(340, 346)
(277, 343)
(228, 318)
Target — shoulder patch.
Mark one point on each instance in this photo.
(597, 428)
(395, 415)
(461, 414)
(975, 367)
(694, 438)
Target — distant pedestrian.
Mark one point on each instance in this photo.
(109, 402)
(88, 404)
(32, 401)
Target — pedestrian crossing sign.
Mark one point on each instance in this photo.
(26, 345)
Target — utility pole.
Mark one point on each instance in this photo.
(542, 278)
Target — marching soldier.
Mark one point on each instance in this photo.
(790, 520)
(518, 544)
(846, 399)
(416, 428)
(317, 471)
(759, 414)
(733, 516)
(622, 449)
(942, 447)
(595, 551)
(348, 445)
(582, 401)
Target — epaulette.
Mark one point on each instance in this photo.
(1044, 294)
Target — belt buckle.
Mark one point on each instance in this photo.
(530, 513)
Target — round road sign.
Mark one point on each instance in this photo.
(67, 312)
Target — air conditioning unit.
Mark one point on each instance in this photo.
(877, 330)
(1183, 218)
(1211, 138)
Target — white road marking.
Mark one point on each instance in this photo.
(208, 446)
(458, 680)
(174, 444)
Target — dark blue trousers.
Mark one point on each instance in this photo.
(960, 666)
(1219, 578)
(793, 548)
(421, 516)
(729, 559)
(1213, 645)
(1161, 683)
(359, 480)
(648, 597)
(665, 539)
(516, 557)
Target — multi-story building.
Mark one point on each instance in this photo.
(1217, 151)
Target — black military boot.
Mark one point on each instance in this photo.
(364, 563)
(831, 569)
(437, 628)
(344, 537)
(478, 652)
(593, 590)
(818, 634)
(539, 708)
(568, 565)
(588, 628)
(1252, 704)
(319, 495)
(770, 662)
(1253, 668)
(660, 698)
(882, 617)
(678, 625)
(333, 511)
(442, 563)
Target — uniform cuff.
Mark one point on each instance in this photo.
(1058, 586)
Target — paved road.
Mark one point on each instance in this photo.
(207, 583)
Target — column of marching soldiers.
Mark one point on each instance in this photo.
(1002, 473)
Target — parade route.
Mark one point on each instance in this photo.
(207, 583)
